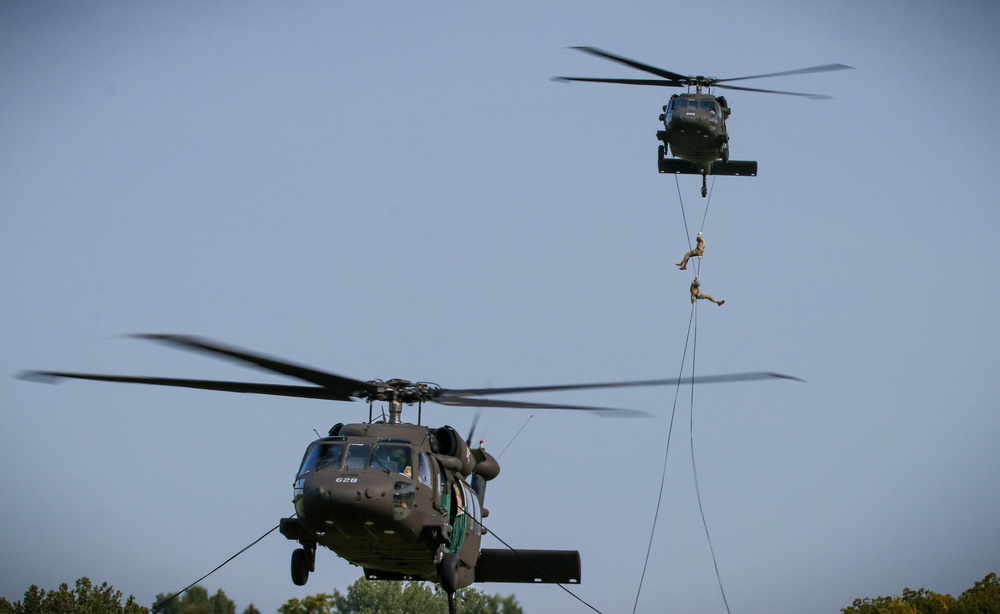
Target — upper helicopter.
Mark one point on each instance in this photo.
(694, 123)
(402, 501)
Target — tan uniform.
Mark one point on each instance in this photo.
(699, 251)
(697, 294)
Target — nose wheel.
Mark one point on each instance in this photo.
(303, 562)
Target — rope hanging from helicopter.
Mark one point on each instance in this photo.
(663, 473)
(528, 561)
(692, 339)
(708, 203)
(694, 351)
(159, 605)
(694, 466)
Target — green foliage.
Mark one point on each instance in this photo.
(84, 598)
(222, 604)
(471, 601)
(983, 598)
(912, 602)
(196, 601)
(388, 597)
(380, 597)
(313, 604)
(362, 597)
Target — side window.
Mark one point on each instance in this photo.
(424, 470)
(442, 486)
(471, 503)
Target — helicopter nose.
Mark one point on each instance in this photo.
(332, 499)
(318, 492)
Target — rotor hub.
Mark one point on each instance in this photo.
(400, 391)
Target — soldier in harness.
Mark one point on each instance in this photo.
(699, 251)
(697, 294)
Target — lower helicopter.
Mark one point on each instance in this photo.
(401, 501)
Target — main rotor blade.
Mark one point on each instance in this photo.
(657, 82)
(341, 387)
(797, 71)
(659, 72)
(754, 89)
(472, 429)
(306, 392)
(701, 379)
(478, 402)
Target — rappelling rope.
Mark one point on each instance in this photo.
(687, 233)
(663, 472)
(694, 352)
(159, 605)
(529, 563)
(704, 217)
(693, 340)
(694, 467)
(707, 203)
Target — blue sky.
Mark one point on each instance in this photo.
(399, 190)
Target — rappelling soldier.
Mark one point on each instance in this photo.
(697, 294)
(699, 251)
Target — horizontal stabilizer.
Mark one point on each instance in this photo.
(529, 566)
(743, 168)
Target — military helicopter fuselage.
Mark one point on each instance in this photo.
(390, 498)
(694, 123)
(694, 128)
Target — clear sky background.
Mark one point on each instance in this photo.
(398, 190)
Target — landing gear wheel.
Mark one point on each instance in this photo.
(725, 152)
(448, 571)
(300, 567)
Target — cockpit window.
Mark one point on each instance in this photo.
(357, 456)
(680, 103)
(393, 458)
(322, 455)
(708, 105)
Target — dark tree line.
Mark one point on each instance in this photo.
(982, 598)
(376, 597)
(373, 597)
(84, 598)
(197, 601)
(362, 597)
